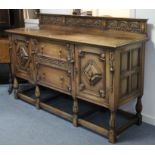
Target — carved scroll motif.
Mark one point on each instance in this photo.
(55, 20)
(124, 26)
(84, 22)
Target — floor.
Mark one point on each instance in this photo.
(4, 73)
(21, 123)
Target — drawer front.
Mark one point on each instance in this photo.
(52, 77)
(54, 49)
(54, 64)
(91, 75)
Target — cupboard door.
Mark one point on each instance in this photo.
(91, 76)
(23, 60)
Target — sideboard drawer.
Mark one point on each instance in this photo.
(54, 49)
(52, 77)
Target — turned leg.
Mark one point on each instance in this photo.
(10, 81)
(37, 94)
(112, 127)
(15, 86)
(139, 110)
(75, 112)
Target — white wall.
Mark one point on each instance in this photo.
(115, 12)
(56, 11)
(149, 81)
(96, 12)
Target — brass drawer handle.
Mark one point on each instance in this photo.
(62, 79)
(102, 93)
(82, 86)
(60, 53)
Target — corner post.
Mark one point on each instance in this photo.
(139, 110)
(15, 86)
(75, 112)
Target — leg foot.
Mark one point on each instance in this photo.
(37, 94)
(10, 84)
(139, 110)
(75, 112)
(10, 81)
(15, 86)
(112, 127)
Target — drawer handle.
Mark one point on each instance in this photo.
(62, 79)
(60, 53)
(82, 87)
(27, 43)
(70, 60)
(102, 93)
(42, 49)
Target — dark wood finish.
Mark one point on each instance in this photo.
(4, 51)
(96, 59)
(9, 18)
(4, 17)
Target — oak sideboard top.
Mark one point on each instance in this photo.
(106, 38)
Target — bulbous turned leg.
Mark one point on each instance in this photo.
(37, 95)
(10, 81)
(15, 86)
(75, 112)
(112, 127)
(139, 110)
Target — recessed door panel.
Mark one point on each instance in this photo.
(91, 73)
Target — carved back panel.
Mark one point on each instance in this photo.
(104, 23)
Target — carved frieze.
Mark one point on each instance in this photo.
(123, 24)
(55, 20)
(53, 62)
(90, 22)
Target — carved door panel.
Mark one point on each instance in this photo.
(91, 76)
(23, 66)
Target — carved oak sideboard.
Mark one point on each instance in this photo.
(95, 59)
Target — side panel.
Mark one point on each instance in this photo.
(131, 72)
